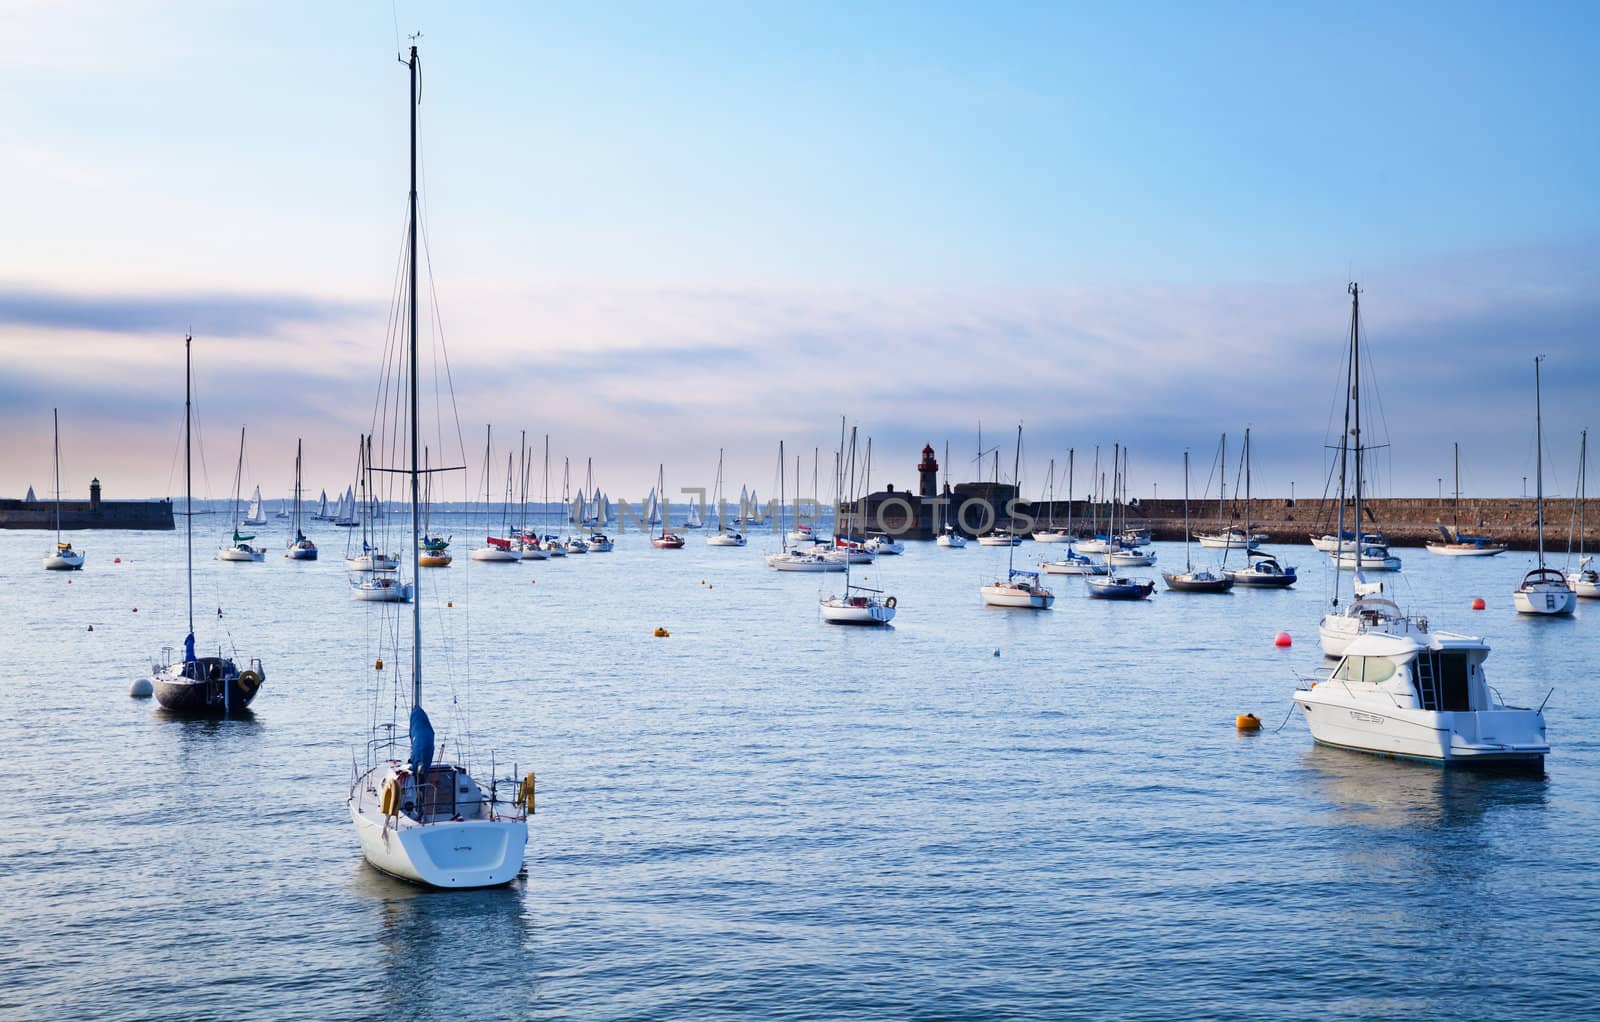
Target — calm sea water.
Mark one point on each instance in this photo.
(979, 813)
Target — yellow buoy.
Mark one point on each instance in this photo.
(1247, 722)
(661, 633)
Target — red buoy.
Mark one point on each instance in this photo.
(116, 560)
(1283, 641)
(1478, 604)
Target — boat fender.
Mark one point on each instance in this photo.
(891, 603)
(249, 681)
(525, 792)
(389, 802)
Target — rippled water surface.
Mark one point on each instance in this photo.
(978, 813)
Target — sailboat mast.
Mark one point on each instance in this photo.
(416, 577)
(783, 534)
(55, 417)
(1455, 515)
(1071, 455)
(188, 487)
(238, 481)
(1355, 402)
(1344, 467)
(1538, 468)
(1247, 496)
(1188, 564)
(1016, 474)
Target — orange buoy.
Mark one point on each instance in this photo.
(1247, 722)
(449, 603)
(1478, 604)
(1283, 641)
(662, 633)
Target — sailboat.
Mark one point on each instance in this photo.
(549, 543)
(1586, 580)
(1543, 590)
(495, 548)
(369, 558)
(1018, 588)
(322, 508)
(256, 515)
(1051, 533)
(238, 548)
(63, 557)
(1457, 543)
(1227, 537)
(1369, 553)
(1127, 553)
(1112, 586)
(1074, 563)
(211, 685)
(1189, 580)
(1369, 611)
(724, 536)
(786, 559)
(1261, 570)
(283, 511)
(860, 605)
(572, 543)
(300, 548)
(949, 538)
(666, 539)
(420, 818)
(344, 516)
(433, 551)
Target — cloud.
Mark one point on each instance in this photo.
(214, 313)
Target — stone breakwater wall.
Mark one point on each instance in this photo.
(1407, 521)
(82, 514)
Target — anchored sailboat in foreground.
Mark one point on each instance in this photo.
(212, 685)
(417, 818)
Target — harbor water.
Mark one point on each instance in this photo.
(977, 813)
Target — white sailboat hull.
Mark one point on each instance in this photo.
(64, 562)
(952, 541)
(1132, 559)
(1010, 596)
(725, 539)
(1348, 561)
(1464, 550)
(1049, 536)
(845, 612)
(803, 562)
(1545, 600)
(371, 592)
(493, 553)
(470, 853)
(241, 553)
(993, 540)
(370, 562)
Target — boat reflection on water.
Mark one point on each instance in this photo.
(1378, 793)
(437, 945)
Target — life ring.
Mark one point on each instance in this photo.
(891, 603)
(249, 681)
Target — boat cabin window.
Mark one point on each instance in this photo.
(1370, 669)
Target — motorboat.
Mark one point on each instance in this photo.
(1422, 698)
(879, 543)
(1369, 557)
(1263, 572)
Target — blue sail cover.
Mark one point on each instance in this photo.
(421, 741)
(188, 648)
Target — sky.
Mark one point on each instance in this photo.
(659, 230)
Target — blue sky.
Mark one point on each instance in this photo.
(659, 230)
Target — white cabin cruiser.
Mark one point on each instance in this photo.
(1428, 700)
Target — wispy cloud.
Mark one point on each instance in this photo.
(216, 313)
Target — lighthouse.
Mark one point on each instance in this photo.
(928, 474)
